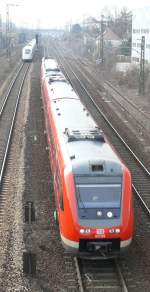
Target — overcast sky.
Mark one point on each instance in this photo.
(55, 13)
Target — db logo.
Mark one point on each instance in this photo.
(100, 231)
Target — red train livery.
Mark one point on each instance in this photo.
(92, 186)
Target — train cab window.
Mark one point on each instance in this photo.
(27, 51)
(99, 195)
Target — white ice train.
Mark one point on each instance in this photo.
(28, 51)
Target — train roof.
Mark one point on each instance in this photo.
(60, 88)
(93, 157)
(26, 48)
(32, 42)
(50, 64)
(30, 45)
(79, 131)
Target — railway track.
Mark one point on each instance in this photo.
(132, 111)
(85, 275)
(114, 96)
(99, 276)
(8, 111)
(127, 100)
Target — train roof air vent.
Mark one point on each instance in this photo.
(56, 78)
(72, 157)
(77, 135)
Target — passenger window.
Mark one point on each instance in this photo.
(61, 202)
(59, 188)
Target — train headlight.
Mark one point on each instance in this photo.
(112, 230)
(99, 213)
(82, 231)
(109, 214)
(117, 230)
(85, 231)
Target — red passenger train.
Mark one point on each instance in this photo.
(93, 188)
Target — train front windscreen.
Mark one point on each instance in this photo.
(99, 201)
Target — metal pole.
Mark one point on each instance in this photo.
(102, 39)
(8, 33)
(142, 65)
(7, 30)
(99, 43)
(0, 31)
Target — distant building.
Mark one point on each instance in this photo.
(140, 27)
(110, 39)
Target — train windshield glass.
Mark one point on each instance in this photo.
(27, 51)
(101, 195)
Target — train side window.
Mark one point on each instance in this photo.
(51, 139)
(61, 201)
(59, 188)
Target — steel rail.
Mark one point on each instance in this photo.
(9, 90)
(143, 126)
(119, 93)
(101, 273)
(81, 289)
(141, 199)
(116, 90)
(122, 280)
(12, 127)
(132, 110)
(129, 101)
(132, 105)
